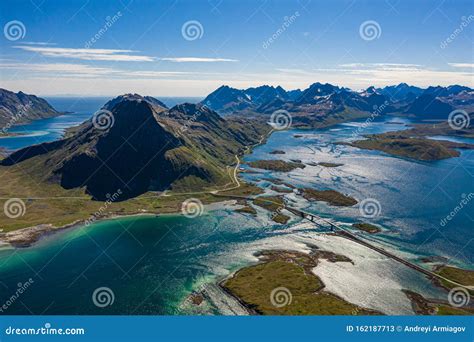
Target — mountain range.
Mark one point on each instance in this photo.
(323, 104)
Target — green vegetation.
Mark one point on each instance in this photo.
(413, 143)
(274, 204)
(276, 165)
(459, 275)
(330, 164)
(280, 189)
(247, 209)
(423, 306)
(367, 227)
(330, 196)
(301, 291)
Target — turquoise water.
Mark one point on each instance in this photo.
(153, 263)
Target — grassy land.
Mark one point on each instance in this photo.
(276, 165)
(423, 306)
(367, 227)
(461, 276)
(289, 272)
(330, 196)
(274, 204)
(48, 203)
(418, 147)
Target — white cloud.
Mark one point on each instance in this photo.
(197, 59)
(462, 65)
(87, 54)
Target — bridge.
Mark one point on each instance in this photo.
(345, 233)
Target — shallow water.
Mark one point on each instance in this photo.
(152, 263)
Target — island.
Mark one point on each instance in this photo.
(330, 196)
(415, 143)
(277, 152)
(274, 204)
(283, 283)
(276, 165)
(367, 227)
(329, 164)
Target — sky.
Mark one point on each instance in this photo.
(191, 47)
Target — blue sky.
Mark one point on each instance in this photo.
(145, 47)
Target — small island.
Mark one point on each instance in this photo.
(274, 204)
(329, 164)
(416, 147)
(277, 152)
(367, 227)
(283, 284)
(329, 196)
(276, 165)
